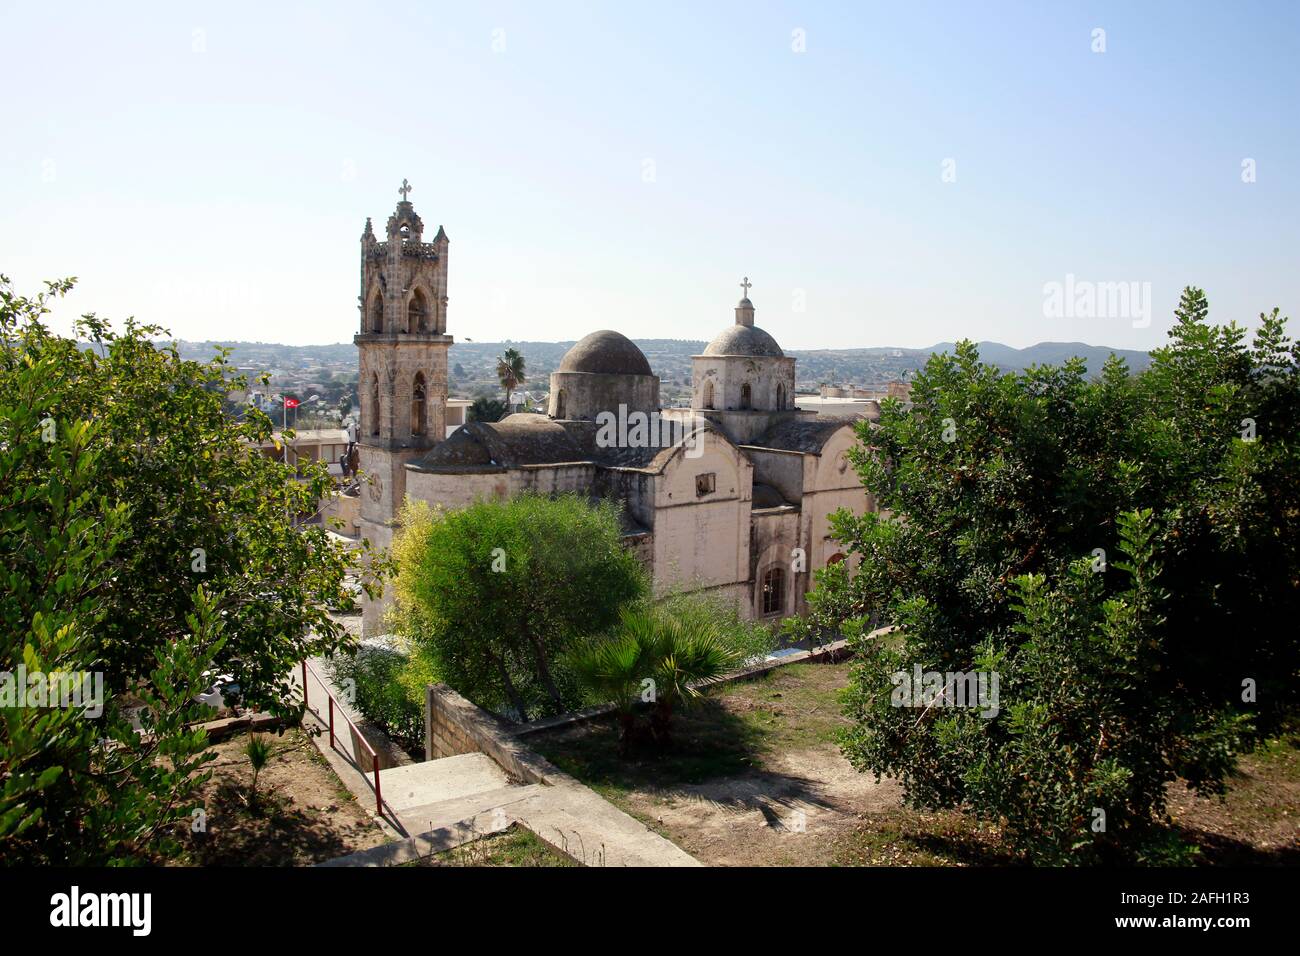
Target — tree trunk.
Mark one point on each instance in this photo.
(515, 700)
(626, 728)
(544, 671)
(661, 714)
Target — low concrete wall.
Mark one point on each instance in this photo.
(453, 725)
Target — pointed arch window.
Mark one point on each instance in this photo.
(773, 591)
(419, 407)
(376, 313)
(561, 399)
(708, 394)
(417, 313)
(780, 397)
(746, 399)
(374, 405)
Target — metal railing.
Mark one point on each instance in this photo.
(356, 731)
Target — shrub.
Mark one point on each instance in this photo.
(384, 691)
(493, 594)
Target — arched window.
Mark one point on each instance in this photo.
(560, 402)
(374, 405)
(773, 591)
(419, 425)
(835, 558)
(376, 313)
(708, 394)
(780, 397)
(745, 399)
(417, 313)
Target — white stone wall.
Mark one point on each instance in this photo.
(703, 541)
(833, 484)
(728, 373)
(464, 489)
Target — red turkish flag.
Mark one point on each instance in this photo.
(291, 403)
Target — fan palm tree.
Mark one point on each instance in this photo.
(656, 659)
(510, 372)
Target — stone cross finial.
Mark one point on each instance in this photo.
(745, 285)
(406, 189)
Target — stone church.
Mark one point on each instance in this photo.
(731, 495)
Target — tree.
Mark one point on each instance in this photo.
(510, 372)
(1117, 551)
(487, 410)
(143, 539)
(493, 594)
(655, 658)
(80, 786)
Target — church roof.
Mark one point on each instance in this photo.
(766, 496)
(807, 435)
(517, 440)
(744, 340)
(607, 353)
(526, 439)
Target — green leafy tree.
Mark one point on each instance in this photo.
(143, 540)
(80, 785)
(1119, 551)
(487, 410)
(493, 594)
(510, 372)
(205, 508)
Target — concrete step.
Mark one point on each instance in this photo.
(470, 810)
(438, 781)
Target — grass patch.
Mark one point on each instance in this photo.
(517, 846)
(904, 837)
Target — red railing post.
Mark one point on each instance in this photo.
(355, 758)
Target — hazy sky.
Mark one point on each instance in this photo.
(621, 165)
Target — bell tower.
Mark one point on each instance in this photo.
(403, 352)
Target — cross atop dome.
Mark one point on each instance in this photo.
(745, 308)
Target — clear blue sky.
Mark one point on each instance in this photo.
(210, 166)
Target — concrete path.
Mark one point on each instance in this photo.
(580, 822)
(471, 793)
(342, 757)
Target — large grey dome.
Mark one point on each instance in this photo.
(744, 340)
(606, 353)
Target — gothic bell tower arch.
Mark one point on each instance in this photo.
(402, 344)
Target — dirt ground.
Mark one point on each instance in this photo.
(756, 778)
(301, 816)
(788, 815)
(1258, 819)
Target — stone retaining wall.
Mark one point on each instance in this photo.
(453, 725)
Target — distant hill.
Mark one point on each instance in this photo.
(671, 359)
(1052, 353)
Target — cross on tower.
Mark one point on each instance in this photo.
(406, 189)
(745, 285)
